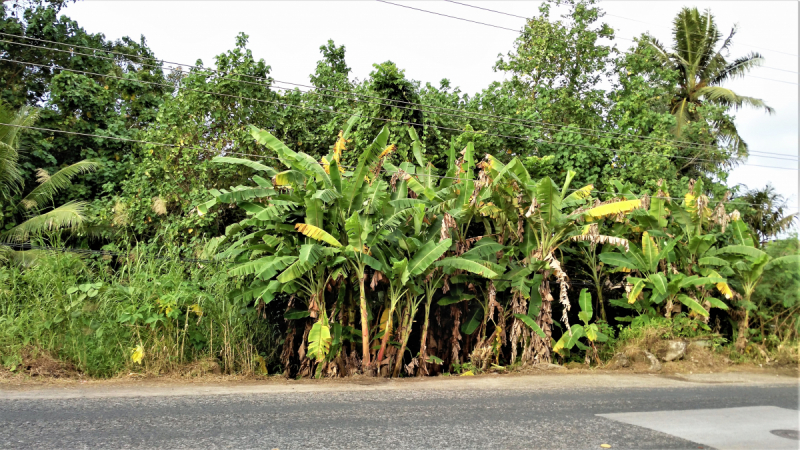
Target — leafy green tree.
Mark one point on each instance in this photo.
(746, 264)
(777, 297)
(556, 69)
(112, 98)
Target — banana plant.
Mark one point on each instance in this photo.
(746, 264)
(651, 260)
(588, 330)
(547, 227)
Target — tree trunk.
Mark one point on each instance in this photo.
(744, 326)
(423, 347)
(364, 323)
(600, 303)
(385, 340)
(405, 331)
(541, 346)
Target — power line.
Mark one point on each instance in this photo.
(569, 129)
(228, 152)
(517, 31)
(625, 18)
(446, 15)
(331, 111)
(487, 9)
(434, 111)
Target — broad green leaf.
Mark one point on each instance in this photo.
(742, 250)
(426, 255)
(784, 260)
(444, 301)
(578, 196)
(659, 282)
(577, 333)
(246, 162)
(295, 314)
(741, 233)
(699, 244)
(470, 325)
(635, 290)
(549, 198)
(289, 178)
(712, 261)
(693, 304)
(591, 332)
(260, 265)
(416, 146)
(650, 252)
(327, 195)
(717, 303)
(266, 138)
(531, 324)
(317, 234)
(618, 260)
(319, 340)
(466, 264)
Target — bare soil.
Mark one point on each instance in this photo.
(40, 370)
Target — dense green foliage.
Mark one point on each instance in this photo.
(378, 225)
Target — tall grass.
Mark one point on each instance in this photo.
(96, 311)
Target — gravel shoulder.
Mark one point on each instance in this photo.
(545, 381)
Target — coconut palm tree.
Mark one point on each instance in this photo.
(703, 70)
(768, 216)
(33, 206)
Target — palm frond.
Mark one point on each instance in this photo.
(737, 69)
(11, 122)
(726, 97)
(68, 216)
(51, 184)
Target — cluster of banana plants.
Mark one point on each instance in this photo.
(387, 268)
(692, 256)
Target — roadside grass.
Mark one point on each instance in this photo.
(103, 316)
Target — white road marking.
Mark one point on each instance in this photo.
(724, 429)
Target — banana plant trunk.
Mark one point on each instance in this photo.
(405, 331)
(744, 325)
(541, 347)
(365, 363)
(384, 340)
(423, 347)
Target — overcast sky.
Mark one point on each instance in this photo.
(287, 35)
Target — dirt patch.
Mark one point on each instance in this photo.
(35, 362)
(206, 366)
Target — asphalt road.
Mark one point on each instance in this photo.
(521, 417)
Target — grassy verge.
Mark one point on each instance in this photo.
(102, 316)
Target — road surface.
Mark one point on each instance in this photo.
(547, 411)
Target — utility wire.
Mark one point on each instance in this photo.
(446, 15)
(625, 18)
(229, 152)
(569, 129)
(517, 31)
(331, 111)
